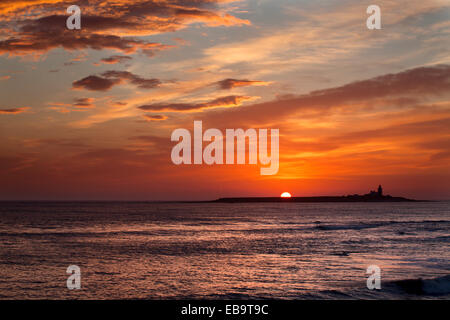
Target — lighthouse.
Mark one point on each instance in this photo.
(380, 191)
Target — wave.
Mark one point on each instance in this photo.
(431, 287)
(435, 288)
(360, 226)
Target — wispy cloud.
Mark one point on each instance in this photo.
(14, 110)
(222, 102)
(152, 118)
(116, 59)
(235, 83)
(84, 103)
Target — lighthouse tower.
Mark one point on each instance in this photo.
(380, 191)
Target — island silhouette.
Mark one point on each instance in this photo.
(372, 196)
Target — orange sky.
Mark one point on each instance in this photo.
(88, 114)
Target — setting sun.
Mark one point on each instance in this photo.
(285, 195)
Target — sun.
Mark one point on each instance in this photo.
(285, 195)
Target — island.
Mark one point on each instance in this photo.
(372, 196)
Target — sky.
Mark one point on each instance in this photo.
(88, 114)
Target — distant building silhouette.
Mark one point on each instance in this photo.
(372, 196)
(376, 194)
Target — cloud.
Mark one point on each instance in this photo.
(79, 105)
(151, 118)
(315, 37)
(419, 84)
(109, 79)
(38, 26)
(14, 110)
(419, 81)
(45, 41)
(60, 109)
(95, 83)
(222, 102)
(134, 79)
(84, 103)
(116, 59)
(234, 83)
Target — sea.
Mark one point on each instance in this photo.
(293, 251)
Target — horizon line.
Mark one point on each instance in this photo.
(191, 201)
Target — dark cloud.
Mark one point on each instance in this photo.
(233, 83)
(14, 110)
(412, 85)
(419, 81)
(38, 25)
(95, 83)
(222, 102)
(115, 59)
(132, 78)
(71, 41)
(84, 103)
(151, 118)
(109, 79)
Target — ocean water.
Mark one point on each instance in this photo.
(224, 251)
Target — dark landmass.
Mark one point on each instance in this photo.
(373, 196)
(317, 199)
